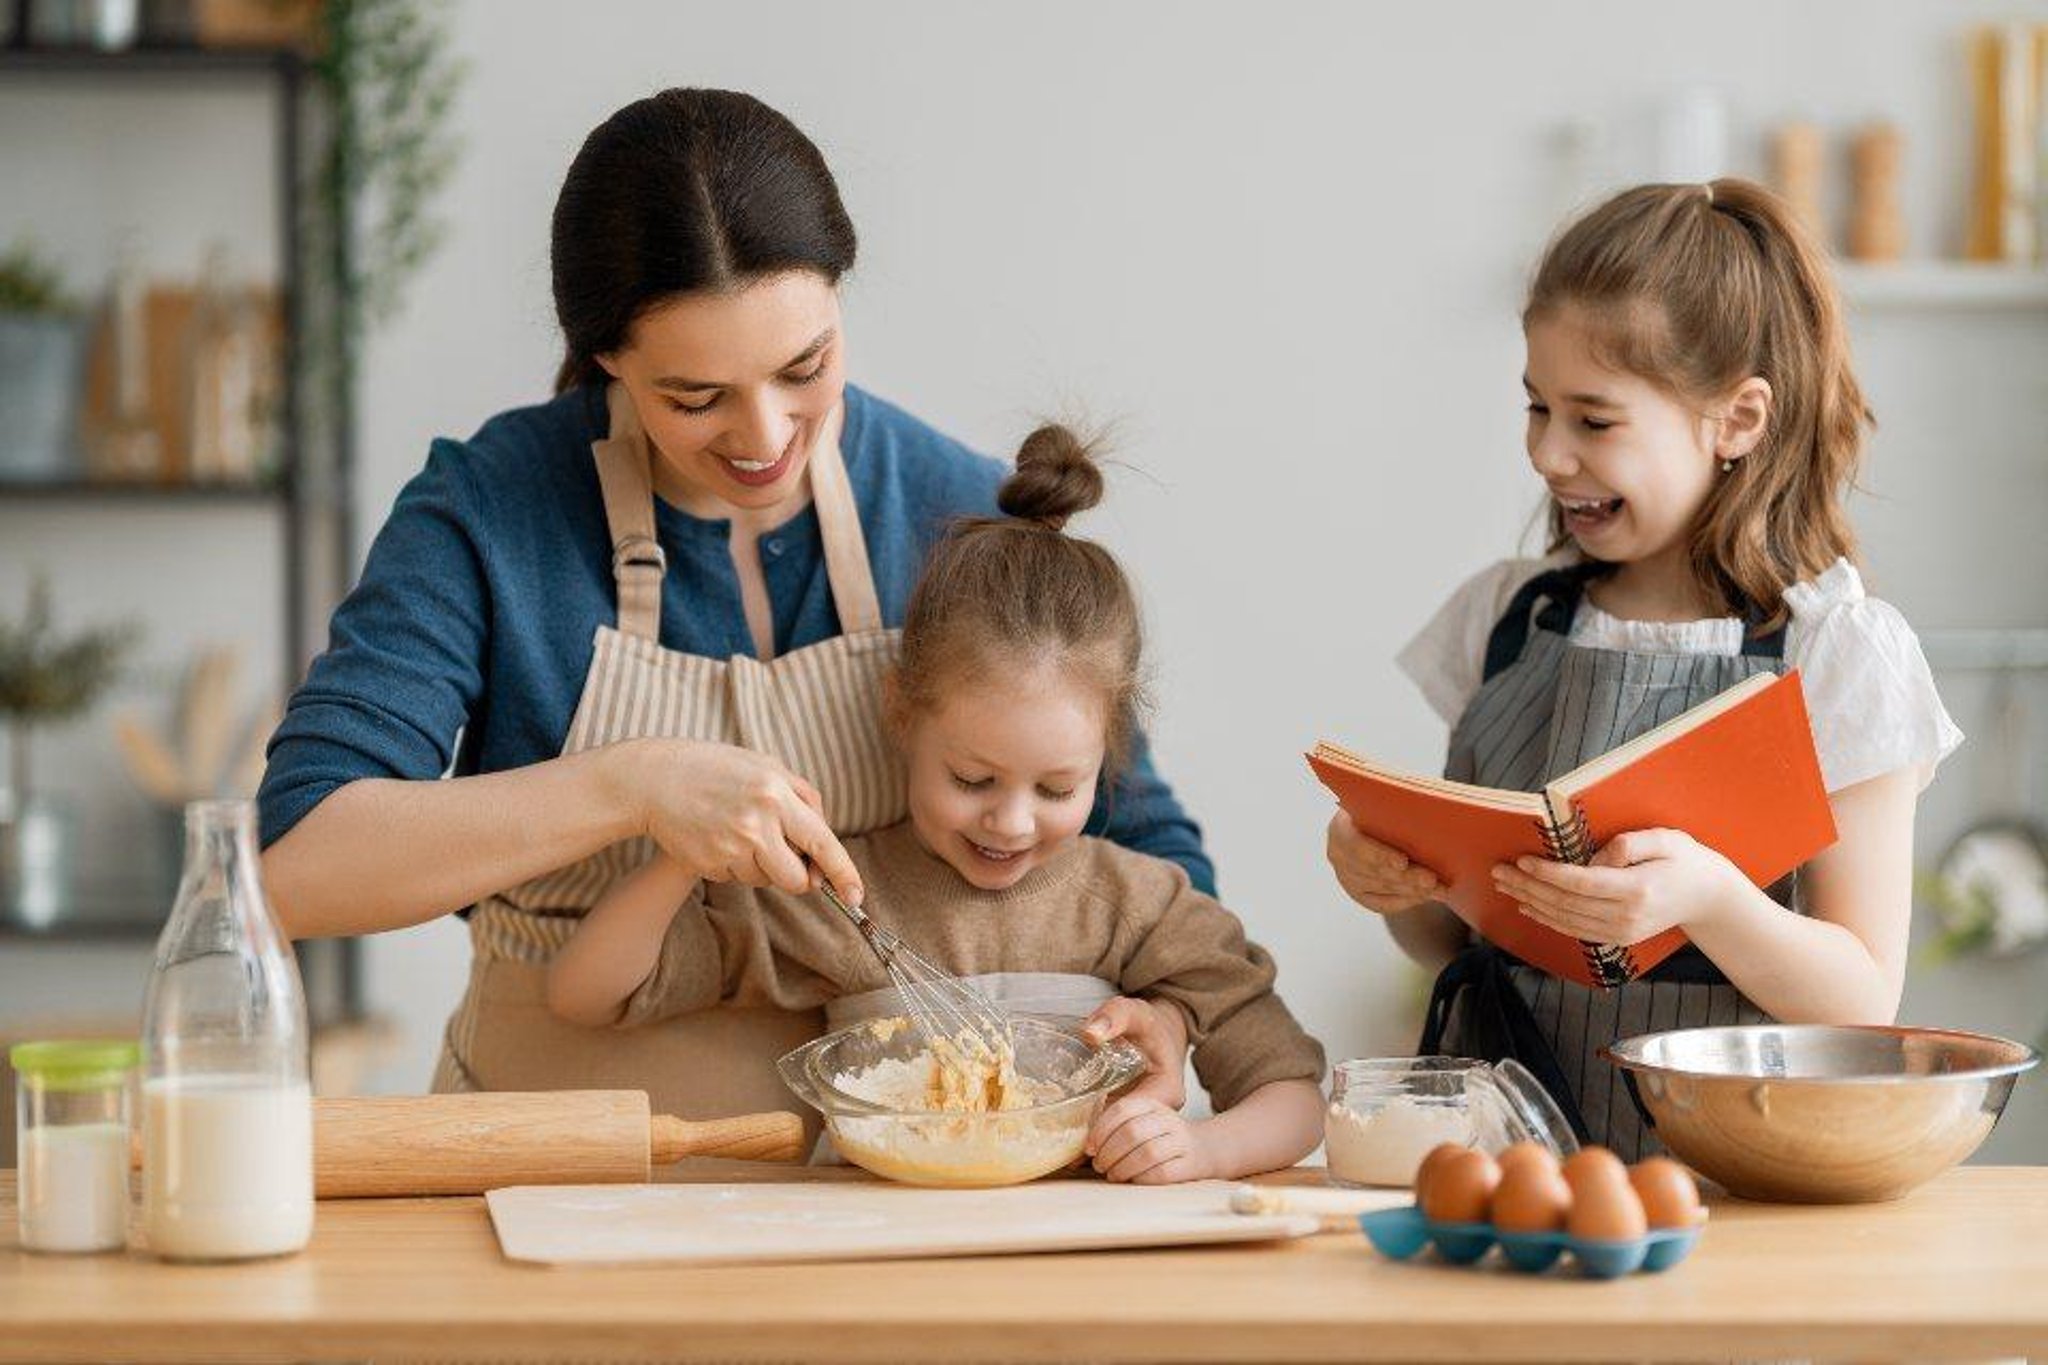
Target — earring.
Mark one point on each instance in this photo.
(1727, 466)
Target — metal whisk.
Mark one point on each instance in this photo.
(943, 1005)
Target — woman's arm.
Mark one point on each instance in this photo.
(1138, 810)
(385, 853)
(1843, 963)
(618, 945)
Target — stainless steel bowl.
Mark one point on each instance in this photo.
(1822, 1114)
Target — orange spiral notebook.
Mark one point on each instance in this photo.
(1738, 773)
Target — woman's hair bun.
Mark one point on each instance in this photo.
(1056, 476)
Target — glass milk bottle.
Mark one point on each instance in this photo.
(227, 1114)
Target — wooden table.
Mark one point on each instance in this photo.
(1957, 1271)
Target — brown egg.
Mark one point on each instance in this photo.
(1533, 1154)
(1531, 1197)
(1589, 1163)
(1605, 1210)
(1670, 1197)
(1460, 1188)
(1438, 1154)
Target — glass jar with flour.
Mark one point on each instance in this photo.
(227, 1114)
(1387, 1112)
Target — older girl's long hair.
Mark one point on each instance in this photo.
(1696, 288)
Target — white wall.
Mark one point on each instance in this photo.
(1282, 249)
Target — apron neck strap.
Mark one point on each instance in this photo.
(846, 545)
(1546, 602)
(639, 564)
(1550, 600)
(638, 561)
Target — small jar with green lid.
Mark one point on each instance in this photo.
(74, 1111)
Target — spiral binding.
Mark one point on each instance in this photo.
(1611, 964)
(1573, 843)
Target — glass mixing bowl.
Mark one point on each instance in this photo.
(868, 1080)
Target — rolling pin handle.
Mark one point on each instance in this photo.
(749, 1137)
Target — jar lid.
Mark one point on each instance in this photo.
(1534, 1115)
(75, 1064)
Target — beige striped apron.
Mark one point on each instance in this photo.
(818, 710)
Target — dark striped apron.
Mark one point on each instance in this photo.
(1546, 706)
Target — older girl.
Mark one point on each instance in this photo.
(1695, 422)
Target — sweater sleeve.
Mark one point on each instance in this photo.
(403, 670)
(734, 945)
(1189, 949)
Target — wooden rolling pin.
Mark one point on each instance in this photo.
(391, 1145)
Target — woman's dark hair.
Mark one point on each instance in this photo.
(684, 191)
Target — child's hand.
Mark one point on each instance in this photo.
(1142, 1141)
(1378, 877)
(1637, 885)
(1158, 1030)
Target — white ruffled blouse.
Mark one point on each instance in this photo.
(1869, 691)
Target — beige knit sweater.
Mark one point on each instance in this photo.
(1097, 909)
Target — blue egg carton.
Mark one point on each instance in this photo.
(1402, 1234)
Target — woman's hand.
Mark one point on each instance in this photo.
(1141, 1141)
(1378, 877)
(732, 815)
(1637, 886)
(1159, 1031)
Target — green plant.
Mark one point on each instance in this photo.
(47, 677)
(29, 283)
(1966, 913)
(387, 152)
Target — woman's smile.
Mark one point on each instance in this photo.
(761, 473)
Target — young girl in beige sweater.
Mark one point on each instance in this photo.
(1019, 682)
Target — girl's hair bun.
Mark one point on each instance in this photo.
(1056, 476)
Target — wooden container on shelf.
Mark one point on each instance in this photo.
(256, 23)
(2006, 66)
(169, 317)
(1796, 163)
(1877, 228)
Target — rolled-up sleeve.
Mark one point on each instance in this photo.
(403, 671)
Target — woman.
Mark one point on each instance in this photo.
(655, 611)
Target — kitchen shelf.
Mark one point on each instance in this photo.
(309, 495)
(134, 61)
(1942, 284)
(87, 490)
(111, 927)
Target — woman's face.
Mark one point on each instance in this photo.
(733, 387)
(1002, 774)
